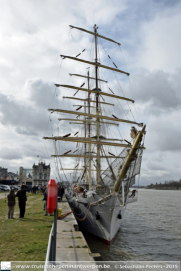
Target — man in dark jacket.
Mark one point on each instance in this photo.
(21, 194)
(61, 192)
(11, 203)
(45, 201)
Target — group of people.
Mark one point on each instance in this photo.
(22, 198)
(38, 189)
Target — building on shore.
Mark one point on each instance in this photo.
(37, 175)
(3, 173)
(8, 178)
(25, 175)
(41, 174)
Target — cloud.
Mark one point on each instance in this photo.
(40, 93)
(28, 116)
(156, 166)
(10, 154)
(109, 10)
(158, 89)
(162, 40)
(164, 135)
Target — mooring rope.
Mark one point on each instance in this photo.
(82, 219)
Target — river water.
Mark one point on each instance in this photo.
(150, 230)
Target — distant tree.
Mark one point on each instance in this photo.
(170, 183)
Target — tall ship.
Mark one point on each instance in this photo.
(104, 164)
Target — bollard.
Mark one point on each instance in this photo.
(59, 213)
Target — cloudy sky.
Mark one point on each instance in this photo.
(33, 34)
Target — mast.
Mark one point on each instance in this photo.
(96, 119)
(95, 64)
(90, 183)
(90, 101)
(95, 91)
(94, 116)
(85, 145)
(88, 77)
(95, 33)
(97, 109)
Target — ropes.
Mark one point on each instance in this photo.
(120, 85)
(82, 219)
(56, 152)
(64, 215)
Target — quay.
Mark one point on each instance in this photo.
(70, 242)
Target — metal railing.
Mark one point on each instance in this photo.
(51, 249)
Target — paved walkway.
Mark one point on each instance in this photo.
(71, 244)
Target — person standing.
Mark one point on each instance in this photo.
(43, 191)
(45, 202)
(61, 192)
(11, 204)
(21, 194)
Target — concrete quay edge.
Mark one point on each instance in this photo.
(70, 243)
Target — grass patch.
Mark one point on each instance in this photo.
(25, 239)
